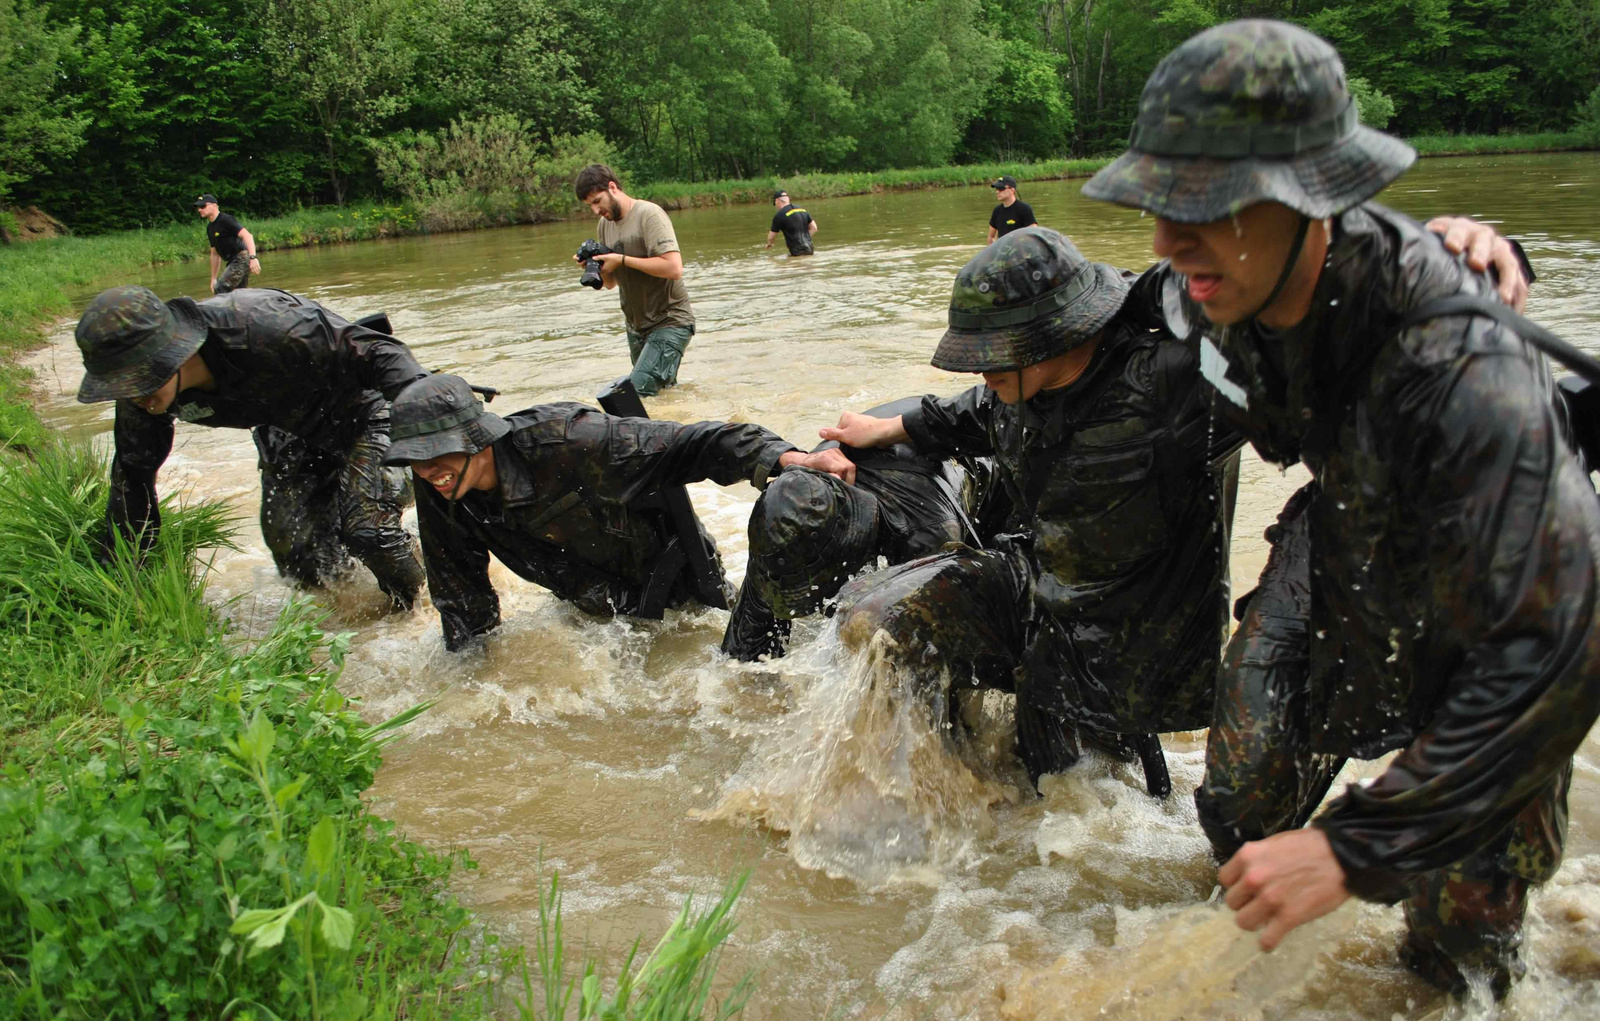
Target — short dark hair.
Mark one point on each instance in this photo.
(592, 178)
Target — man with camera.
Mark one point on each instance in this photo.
(638, 253)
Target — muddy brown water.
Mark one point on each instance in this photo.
(635, 759)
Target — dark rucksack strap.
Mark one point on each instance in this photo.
(1353, 377)
(1585, 365)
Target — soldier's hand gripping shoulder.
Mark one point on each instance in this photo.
(831, 461)
(865, 431)
(1484, 248)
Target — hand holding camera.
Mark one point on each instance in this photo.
(586, 254)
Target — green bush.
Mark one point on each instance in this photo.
(1374, 105)
(486, 172)
(180, 819)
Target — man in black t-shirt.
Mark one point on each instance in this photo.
(233, 249)
(1012, 213)
(794, 223)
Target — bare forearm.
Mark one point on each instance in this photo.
(667, 267)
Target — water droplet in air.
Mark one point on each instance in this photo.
(1333, 301)
(1322, 633)
(1243, 256)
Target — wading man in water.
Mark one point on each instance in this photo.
(1106, 610)
(553, 491)
(233, 248)
(1434, 589)
(794, 223)
(311, 385)
(646, 265)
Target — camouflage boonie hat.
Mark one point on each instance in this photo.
(1029, 296)
(1246, 112)
(439, 415)
(807, 534)
(132, 342)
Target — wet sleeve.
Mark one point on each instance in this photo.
(658, 234)
(141, 445)
(1513, 530)
(946, 426)
(633, 457)
(458, 573)
(374, 360)
(1198, 432)
(1142, 307)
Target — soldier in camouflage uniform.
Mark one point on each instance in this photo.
(809, 532)
(553, 492)
(1434, 589)
(313, 388)
(1107, 608)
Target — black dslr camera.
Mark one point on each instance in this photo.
(591, 266)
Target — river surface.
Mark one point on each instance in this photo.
(631, 756)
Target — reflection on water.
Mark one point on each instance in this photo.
(646, 766)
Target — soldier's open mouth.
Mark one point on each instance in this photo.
(445, 483)
(1204, 286)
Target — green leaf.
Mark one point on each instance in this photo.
(253, 919)
(320, 847)
(285, 794)
(338, 926)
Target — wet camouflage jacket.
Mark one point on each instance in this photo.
(1454, 540)
(277, 359)
(1114, 478)
(561, 516)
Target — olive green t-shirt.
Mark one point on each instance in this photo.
(648, 303)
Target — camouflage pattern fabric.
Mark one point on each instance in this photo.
(1027, 297)
(277, 360)
(920, 503)
(1261, 775)
(1246, 112)
(1121, 483)
(319, 509)
(1450, 560)
(234, 275)
(562, 515)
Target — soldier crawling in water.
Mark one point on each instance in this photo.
(1435, 589)
(312, 386)
(554, 492)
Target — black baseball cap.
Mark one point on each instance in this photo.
(779, 194)
(1004, 182)
(204, 200)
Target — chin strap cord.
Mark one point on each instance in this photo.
(455, 491)
(1288, 266)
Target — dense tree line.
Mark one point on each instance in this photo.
(112, 114)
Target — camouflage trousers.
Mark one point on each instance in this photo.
(961, 621)
(317, 509)
(234, 275)
(656, 356)
(1262, 778)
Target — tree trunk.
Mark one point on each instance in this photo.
(1100, 86)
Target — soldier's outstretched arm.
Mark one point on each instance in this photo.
(141, 445)
(626, 458)
(458, 573)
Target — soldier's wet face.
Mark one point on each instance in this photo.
(1014, 386)
(1234, 263)
(443, 473)
(160, 399)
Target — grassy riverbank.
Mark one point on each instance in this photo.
(1501, 145)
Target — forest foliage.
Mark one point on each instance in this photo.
(116, 115)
